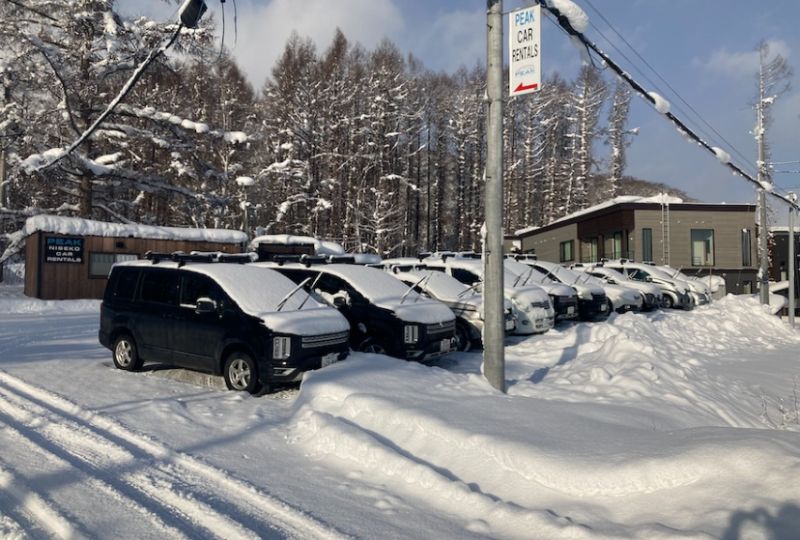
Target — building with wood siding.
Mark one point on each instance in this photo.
(699, 238)
(68, 258)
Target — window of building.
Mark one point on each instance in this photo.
(160, 287)
(100, 263)
(566, 251)
(747, 249)
(590, 250)
(702, 247)
(647, 244)
(616, 245)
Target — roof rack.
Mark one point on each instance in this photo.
(423, 255)
(182, 258)
(341, 259)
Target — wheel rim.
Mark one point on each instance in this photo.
(375, 349)
(123, 353)
(461, 337)
(239, 374)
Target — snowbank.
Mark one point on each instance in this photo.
(626, 429)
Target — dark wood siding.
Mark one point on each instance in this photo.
(62, 281)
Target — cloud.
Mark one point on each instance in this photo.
(264, 29)
(739, 64)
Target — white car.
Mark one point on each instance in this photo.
(621, 298)
(465, 302)
(675, 291)
(700, 291)
(651, 294)
(592, 300)
(532, 307)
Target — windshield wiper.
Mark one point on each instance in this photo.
(291, 293)
(405, 294)
(470, 288)
(310, 288)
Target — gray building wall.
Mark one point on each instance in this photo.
(547, 245)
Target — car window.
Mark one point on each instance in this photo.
(160, 287)
(198, 286)
(126, 284)
(465, 276)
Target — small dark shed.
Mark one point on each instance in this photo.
(68, 258)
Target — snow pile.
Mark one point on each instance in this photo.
(723, 156)
(37, 161)
(661, 104)
(631, 429)
(245, 181)
(576, 16)
(88, 227)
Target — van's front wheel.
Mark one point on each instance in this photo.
(369, 345)
(241, 373)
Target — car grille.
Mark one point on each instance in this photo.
(325, 340)
(598, 299)
(544, 304)
(441, 329)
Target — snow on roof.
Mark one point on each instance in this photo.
(661, 198)
(321, 247)
(88, 227)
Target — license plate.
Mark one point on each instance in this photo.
(570, 310)
(444, 345)
(329, 359)
(603, 307)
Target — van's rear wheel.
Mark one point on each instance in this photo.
(668, 302)
(241, 373)
(125, 354)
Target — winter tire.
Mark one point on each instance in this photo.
(241, 373)
(369, 345)
(125, 354)
(463, 342)
(669, 303)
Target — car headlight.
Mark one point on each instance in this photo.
(281, 347)
(411, 333)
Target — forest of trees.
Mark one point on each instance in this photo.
(368, 148)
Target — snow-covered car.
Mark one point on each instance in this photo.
(385, 316)
(465, 302)
(531, 304)
(591, 292)
(674, 291)
(251, 325)
(565, 298)
(651, 295)
(700, 291)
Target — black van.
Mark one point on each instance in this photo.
(218, 318)
(385, 315)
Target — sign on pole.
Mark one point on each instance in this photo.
(524, 46)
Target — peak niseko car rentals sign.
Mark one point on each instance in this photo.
(524, 46)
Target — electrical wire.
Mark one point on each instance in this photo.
(564, 21)
(666, 82)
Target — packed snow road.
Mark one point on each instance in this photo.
(672, 425)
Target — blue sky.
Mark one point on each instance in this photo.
(705, 49)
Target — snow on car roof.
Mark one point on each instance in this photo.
(88, 227)
(321, 247)
(256, 290)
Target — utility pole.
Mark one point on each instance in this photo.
(762, 196)
(793, 198)
(494, 327)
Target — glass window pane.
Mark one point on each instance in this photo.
(702, 247)
(100, 264)
(126, 284)
(647, 244)
(160, 287)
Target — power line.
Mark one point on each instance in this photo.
(673, 90)
(564, 21)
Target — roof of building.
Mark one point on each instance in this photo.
(633, 202)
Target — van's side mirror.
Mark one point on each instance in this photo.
(341, 300)
(648, 279)
(205, 306)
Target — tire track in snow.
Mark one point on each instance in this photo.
(171, 466)
(33, 509)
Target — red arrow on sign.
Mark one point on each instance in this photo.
(522, 87)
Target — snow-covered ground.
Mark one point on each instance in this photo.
(670, 425)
